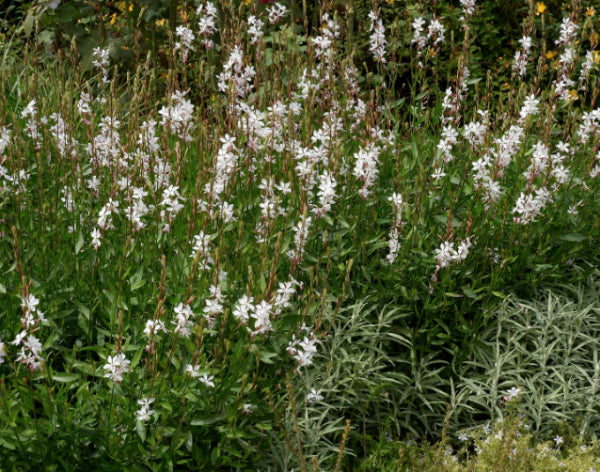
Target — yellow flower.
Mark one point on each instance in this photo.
(573, 95)
(541, 8)
(247, 2)
(596, 55)
(550, 54)
(122, 6)
(113, 18)
(391, 2)
(160, 22)
(591, 11)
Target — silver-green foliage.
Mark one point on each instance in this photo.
(369, 372)
(549, 349)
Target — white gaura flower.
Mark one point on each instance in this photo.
(96, 237)
(314, 396)
(186, 36)
(144, 413)
(193, 370)
(377, 41)
(116, 366)
(207, 380)
(445, 254)
(153, 327)
(513, 393)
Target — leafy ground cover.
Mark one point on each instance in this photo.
(284, 236)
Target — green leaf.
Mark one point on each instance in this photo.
(140, 429)
(136, 358)
(267, 356)
(469, 292)
(189, 442)
(83, 318)
(29, 21)
(137, 280)
(65, 377)
(264, 426)
(208, 419)
(573, 237)
(79, 243)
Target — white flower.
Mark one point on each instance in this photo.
(19, 338)
(183, 313)
(30, 303)
(463, 250)
(445, 254)
(530, 107)
(261, 315)
(314, 396)
(193, 370)
(326, 193)
(116, 366)
(255, 26)
(377, 39)
(243, 307)
(438, 173)
(306, 349)
(512, 394)
(102, 62)
(558, 440)
(96, 236)
(178, 116)
(207, 380)
(144, 413)
(276, 12)
(186, 37)
(153, 327)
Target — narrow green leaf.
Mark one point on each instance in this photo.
(204, 420)
(65, 377)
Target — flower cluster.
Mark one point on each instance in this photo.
(145, 412)
(178, 116)
(186, 36)
(303, 350)
(276, 12)
(102, 62)
(394, 241)
(237, 73)
(255, 26)
(434, 35)
(446, 254)
(116, 366)
(183, 317)
(207, 23)
(31, 347)
(377, 39)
